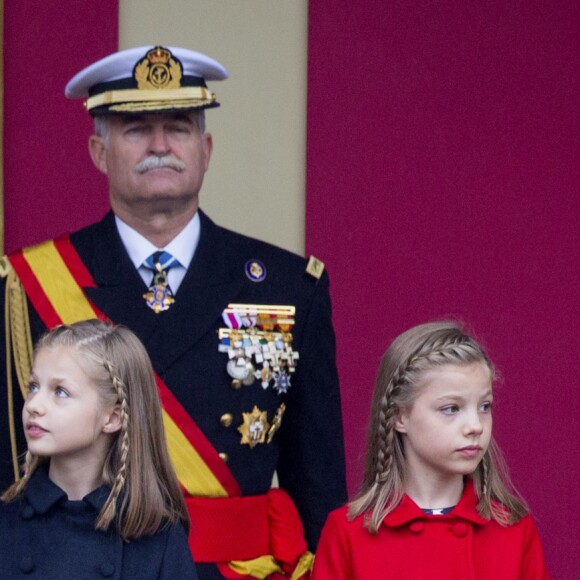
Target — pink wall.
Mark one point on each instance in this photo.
(442, 180)
(50, 185)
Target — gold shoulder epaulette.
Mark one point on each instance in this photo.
(5, 267)
(315, 267)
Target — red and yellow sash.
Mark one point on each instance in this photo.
(53, 276)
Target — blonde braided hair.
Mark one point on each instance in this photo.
(108, 511)
(144, 490)
(414, 352)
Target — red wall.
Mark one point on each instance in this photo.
(50, 184)
(442, 180)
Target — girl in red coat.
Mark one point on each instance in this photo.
(436, 501)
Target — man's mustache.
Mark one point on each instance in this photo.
(156, 162)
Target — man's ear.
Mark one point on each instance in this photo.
(113, 420)
(207, 145)
(98, 153)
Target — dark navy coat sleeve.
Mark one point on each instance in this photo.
(311, 458)
(174, 556)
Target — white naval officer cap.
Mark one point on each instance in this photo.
(147, 79)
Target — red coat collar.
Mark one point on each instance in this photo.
(408, 510)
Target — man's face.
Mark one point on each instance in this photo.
(154, 162)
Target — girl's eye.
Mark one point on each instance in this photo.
(450, 409)
(485, 407)
(61, 393)
(32, 388)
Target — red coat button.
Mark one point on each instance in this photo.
(460, 530)
(416, 527)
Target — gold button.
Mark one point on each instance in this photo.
(226, 419)
(236, 384)
(224, 457)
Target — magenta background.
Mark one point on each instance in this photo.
(50, 184)
(442, 180)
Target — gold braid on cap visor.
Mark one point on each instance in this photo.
(152, 99)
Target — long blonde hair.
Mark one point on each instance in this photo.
(411, 354)
(145, 493)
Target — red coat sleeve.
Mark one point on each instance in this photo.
(533, 564)
(332, 560)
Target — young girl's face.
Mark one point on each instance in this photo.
(448, 427)
(64, 417)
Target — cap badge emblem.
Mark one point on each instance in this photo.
(159, 69)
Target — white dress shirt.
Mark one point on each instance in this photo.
(182, 247)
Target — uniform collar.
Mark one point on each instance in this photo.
(182, 247)
(466, 509)
(42, 494)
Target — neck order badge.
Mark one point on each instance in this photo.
(159, 297)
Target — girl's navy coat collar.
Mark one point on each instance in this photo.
(42, 494)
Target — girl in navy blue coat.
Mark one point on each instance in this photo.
(98, 497)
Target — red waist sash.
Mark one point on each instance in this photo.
(244, 528)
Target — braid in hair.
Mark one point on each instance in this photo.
(483, 483)
(384, 469)
(109, 509)
(386, 427)
(485, 477)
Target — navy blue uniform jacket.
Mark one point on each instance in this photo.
(44, 535)
(307, 451)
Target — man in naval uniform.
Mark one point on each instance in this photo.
(239, 331)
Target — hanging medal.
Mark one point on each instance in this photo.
(159, 297)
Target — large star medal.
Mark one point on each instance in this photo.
(254, 428)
